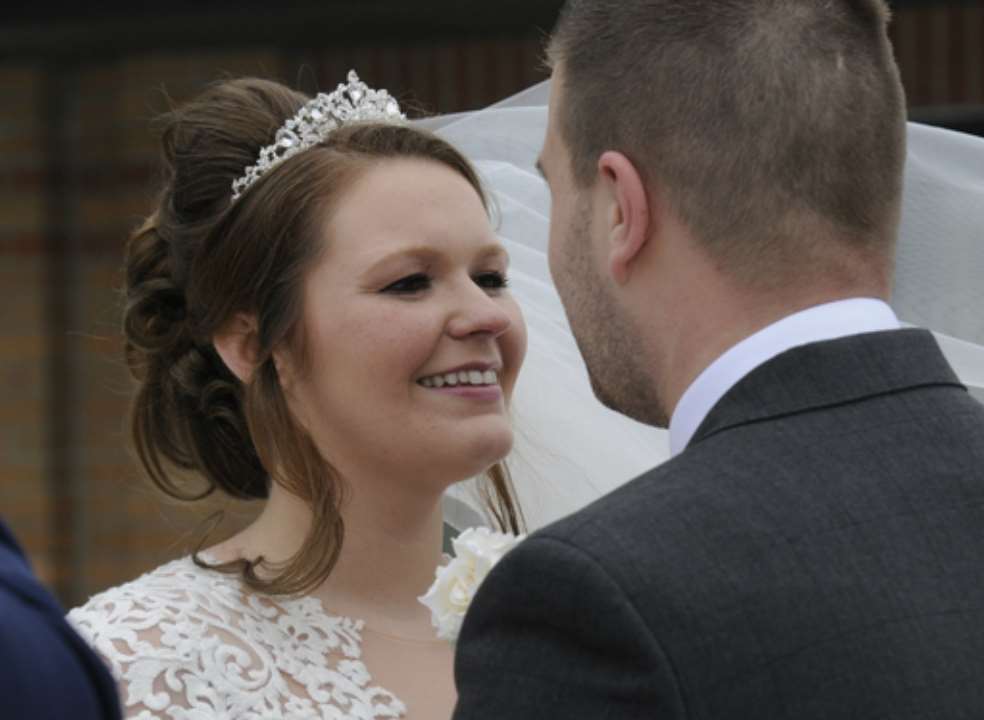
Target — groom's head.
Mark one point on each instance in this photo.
(753, 148)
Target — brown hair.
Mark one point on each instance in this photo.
(771, 125)
(198, 260)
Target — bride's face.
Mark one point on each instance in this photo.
(412, 341)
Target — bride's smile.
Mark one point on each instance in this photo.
(475, 381)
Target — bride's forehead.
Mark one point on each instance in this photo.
(396, 206)
(409, 184)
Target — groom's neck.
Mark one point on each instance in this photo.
(717, 313)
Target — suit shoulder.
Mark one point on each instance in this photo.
(648, 496)
(49, 671)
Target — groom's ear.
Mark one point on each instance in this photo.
(628, 220)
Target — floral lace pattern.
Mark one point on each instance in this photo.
(187, 643)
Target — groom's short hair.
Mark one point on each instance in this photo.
(771, 125)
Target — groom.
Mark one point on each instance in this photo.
(726, 180)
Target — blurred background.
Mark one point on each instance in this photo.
(79, 86)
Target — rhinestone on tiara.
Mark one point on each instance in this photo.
(351, 103)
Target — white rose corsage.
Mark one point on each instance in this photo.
(476, 550)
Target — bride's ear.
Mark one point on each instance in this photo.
(237, 343)
(629, 221)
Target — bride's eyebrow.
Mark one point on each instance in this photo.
(422, 252)
(493, 251)
(427, 255)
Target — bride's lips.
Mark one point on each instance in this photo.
(485, 393)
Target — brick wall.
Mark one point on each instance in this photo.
(22, 313)
(940, 49)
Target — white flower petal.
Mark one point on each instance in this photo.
(477, 550)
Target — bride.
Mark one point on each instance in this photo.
(317, 315)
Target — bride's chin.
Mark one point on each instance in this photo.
(485, 449)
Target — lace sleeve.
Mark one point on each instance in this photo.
(188, 644)
(156, 651)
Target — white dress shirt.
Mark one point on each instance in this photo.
(823, 322)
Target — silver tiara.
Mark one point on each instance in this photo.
(351, 103)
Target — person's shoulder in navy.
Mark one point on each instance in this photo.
(46, 669)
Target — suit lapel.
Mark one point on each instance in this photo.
(827, 374)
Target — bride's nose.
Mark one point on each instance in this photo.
(475, 312)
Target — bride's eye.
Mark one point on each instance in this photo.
(492, 281)
(408, 285)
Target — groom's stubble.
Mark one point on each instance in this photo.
(608, 340)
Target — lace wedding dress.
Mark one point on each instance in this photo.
(186, 643)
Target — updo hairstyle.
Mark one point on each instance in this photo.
(199, 259)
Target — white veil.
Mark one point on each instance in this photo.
(939, 270)
(570, 450)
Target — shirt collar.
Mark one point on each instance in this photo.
(816, 324)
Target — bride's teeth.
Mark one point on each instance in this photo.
(463, 377)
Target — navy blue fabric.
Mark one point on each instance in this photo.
(817, 552)
(47, 671)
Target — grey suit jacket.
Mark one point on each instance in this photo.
(817, 552)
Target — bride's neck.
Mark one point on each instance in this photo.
(392, 546)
